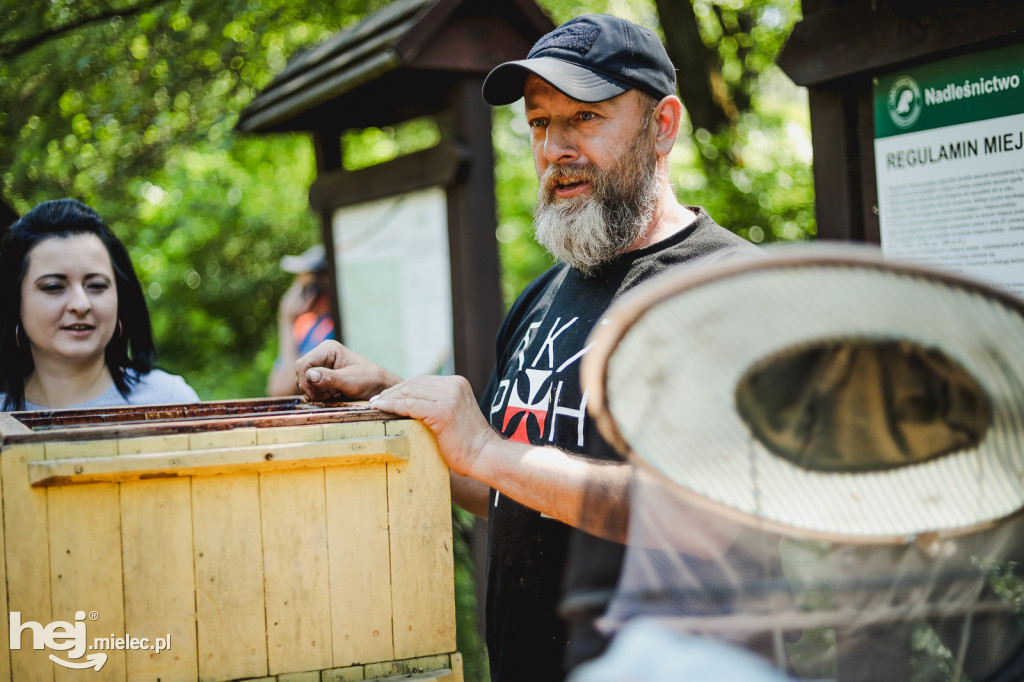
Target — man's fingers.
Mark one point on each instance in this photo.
(325, 382)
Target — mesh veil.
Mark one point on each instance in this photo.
(949, 609)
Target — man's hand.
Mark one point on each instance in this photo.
(333, 371)
(447, 406)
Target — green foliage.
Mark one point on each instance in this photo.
(755, 176)
(468, 639)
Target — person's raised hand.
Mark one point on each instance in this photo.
(333, 371)
(446, 405)
(293, 303)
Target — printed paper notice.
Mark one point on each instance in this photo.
(949, 159)
(394, 281)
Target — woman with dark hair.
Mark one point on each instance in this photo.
(74, 328)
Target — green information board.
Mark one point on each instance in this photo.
(949, 162)
(976, 87)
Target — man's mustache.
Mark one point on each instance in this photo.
(579, 172)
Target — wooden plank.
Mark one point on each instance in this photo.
(296, 567)
(422, 564)
(230, 614)
(80, 468)
(85, 567)
(425, 664)
(836, 180)
(383, 670)
(79, 450)
(153, 444)
(476, 286)
(457, 670)
(350, 674)
(305, 435)
(5, 625)
(872, 37)
(428, 676)
(159, 579)
(102, 428)
(359, 549)
(212, 440)
(10, 425)
(27, 558)
(84, 530)
(309, 676)
(438, 165)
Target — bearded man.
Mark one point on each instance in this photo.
(601, 106)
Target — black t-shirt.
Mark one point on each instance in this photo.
(534, 396)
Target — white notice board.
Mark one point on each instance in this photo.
(949, 160)
(394, 281)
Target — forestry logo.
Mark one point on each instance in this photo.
(904, 102)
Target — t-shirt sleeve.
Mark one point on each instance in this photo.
(182, 392)
(159, 388)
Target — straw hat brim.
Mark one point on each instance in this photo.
(670, 363)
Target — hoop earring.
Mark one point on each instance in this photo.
(120, 329)
(17, 336)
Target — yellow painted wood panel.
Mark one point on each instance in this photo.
(357, 513)
(312, 676)
(422, 563)
(358, 430)
(457, 670)
(5, 650)
(294, 519)
(111, 467)
(446, 667)
(378, 671)
(290, 434)
(10, 425)
(85, 567)
(85, 448)
(27, 558)
(159, 579)
(152, 444)
(231, 618)
(350, 674)
(231, 438)
(357, 523)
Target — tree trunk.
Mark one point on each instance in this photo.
(700, 82)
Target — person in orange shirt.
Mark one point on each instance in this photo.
(304, 317)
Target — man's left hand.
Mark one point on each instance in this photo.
(448, 408)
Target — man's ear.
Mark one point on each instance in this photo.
(667, 116)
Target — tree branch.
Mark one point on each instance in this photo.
(699, 71)
(20, 46)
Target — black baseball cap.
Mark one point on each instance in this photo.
(591, 58)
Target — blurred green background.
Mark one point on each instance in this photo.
(130, 106)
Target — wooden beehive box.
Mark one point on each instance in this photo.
(262, 539)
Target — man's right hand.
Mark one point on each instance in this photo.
(333, 371)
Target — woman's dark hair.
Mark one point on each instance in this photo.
(132, 346)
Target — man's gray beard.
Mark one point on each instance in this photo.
(585, 232)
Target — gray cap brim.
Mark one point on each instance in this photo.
(505, 83)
